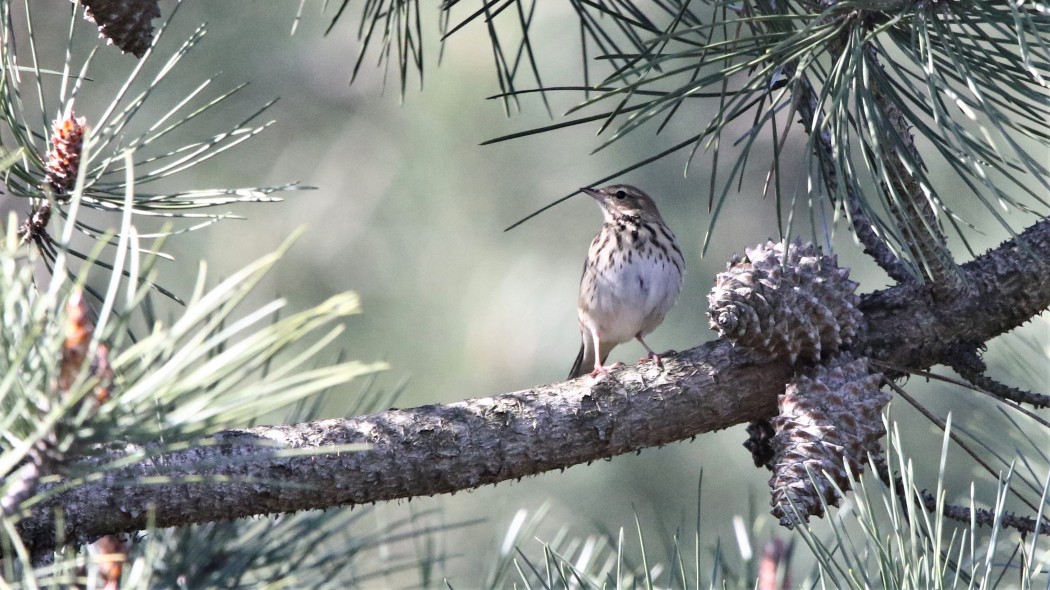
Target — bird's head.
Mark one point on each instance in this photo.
(624, 200)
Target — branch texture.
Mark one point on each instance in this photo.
(446, 448)
(805, 100)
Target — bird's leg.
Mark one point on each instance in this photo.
(598, 368)
(652, 355)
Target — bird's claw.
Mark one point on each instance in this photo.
(656, 358)
(600, 370)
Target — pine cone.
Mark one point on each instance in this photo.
(125, 23)
(786, 300)
(828, 417)
(63, 159)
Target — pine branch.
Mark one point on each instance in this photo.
(805, 102)
(447, 448)
(426, 450)
(970, 366)
(980, 516)
(909, 205)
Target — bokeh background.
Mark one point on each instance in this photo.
(409, 211)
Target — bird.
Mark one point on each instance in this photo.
(631, 277)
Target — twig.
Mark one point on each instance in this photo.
(969, 365)
(982, 517)
(874, 245)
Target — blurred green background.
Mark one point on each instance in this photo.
(409, 211)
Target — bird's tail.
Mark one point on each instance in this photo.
(584, 362)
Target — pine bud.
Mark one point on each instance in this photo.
(63, 159)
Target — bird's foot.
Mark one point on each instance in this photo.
(657, 358)
(603, 370)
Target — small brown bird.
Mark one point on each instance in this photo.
(631, 277)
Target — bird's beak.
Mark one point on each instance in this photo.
(595, 194)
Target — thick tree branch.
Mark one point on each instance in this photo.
(427, 450)
(1007, 287)
(447, 448)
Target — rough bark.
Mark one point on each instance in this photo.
(446, 448)
(874, 245)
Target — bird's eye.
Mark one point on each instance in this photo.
(621, 194)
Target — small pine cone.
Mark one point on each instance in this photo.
(34, 227)
(760, 443)
(111, 553)
(828, 417)
(787, 300)
(125, 23)
(78, 331)
(63, 159)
